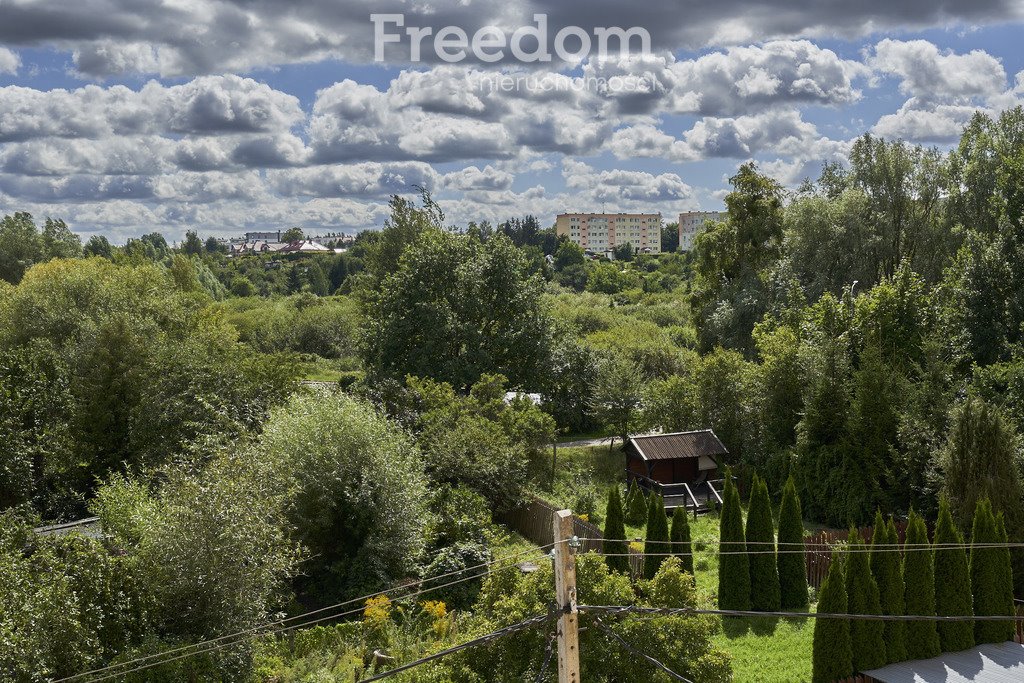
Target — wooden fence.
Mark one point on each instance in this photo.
(818, 548)
(535, 522)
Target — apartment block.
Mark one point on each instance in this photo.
(690, 224)
(601, 232)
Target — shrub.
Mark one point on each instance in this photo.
(656, 546)
(680, 536)
(952, 583)
(867, 643)
(636, 513)
(831, 655)
(887, 571)
(615, 546)
(991, 576)
(919, 591)
(733, 564)
(792, 564)
(760, 541)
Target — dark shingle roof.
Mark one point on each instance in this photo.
(678, 445)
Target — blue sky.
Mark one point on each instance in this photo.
(125, 116)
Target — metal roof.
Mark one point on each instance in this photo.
(90, 526)
(678, 445)
(1001, 663)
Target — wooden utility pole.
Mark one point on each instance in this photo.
(565, 596)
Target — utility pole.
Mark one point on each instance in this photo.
(565, 596)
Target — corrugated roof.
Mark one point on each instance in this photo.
(678, 445)
(1001, 663)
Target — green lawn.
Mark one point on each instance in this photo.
(763, 650)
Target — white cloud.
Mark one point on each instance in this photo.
(9, 61)
(926, 73)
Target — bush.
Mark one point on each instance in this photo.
(952, 583)
(867, 643)
(792, 563)
(888, 574)
(991, 576)
(760, 543)
(919, 591)
(733, 563)
(636, 513)
(656, 545)
(832, 656)
(455, 558)
(680, 536)
(615, 545)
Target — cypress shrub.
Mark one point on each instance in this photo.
(615, 547)
(887, 570)
(832, 658)
(636, 512)
(760, 541)
(792, 563)
(680, 537)
(867, 644)
(656, 546)
(733, 563)
(952, 583)
(991, 576)
(919, 591)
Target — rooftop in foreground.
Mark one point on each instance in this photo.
(1002, 663)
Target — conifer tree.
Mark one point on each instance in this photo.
(615, 547)
(887, 570)
(636, 513)
(680, 537)
(832, 657)
(760, 541)
(792, 562)
(919, 591)
(991, 576)
(733, 563)
(656, 546)
(952, 583)
(867, 645)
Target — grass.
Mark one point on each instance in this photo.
(763, 650)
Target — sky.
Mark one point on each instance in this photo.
(128, 116)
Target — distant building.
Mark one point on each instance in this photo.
(263, 236)
(690, 224)
(601, 232)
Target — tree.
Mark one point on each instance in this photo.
(952, 583)
(98, 245)
(21, 246)
(760, 543)
(991, 576)
(656, 541)
(670, 237)
(636, 512)
(919, 590)
(242, 286)
(192, 246)
(617, 393)
(733, 563)
(318, 283)
(680, 536)
(212, 246)
(832, 653)
(866, 636)
(293, 235)
(456, 309)
(616, 548)
(792, 564)
(887, 571)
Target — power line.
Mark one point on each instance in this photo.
(277, 627)
(898, 546)
(652, 660)
(695, 611)
(519, 626)
(547, 658)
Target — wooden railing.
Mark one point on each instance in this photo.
(692, 497)
(714, 492)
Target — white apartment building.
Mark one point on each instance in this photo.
(601, 232)
(690, 224)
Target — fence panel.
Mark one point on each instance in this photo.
(818, 549)
(534, 521)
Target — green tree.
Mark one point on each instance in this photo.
(293, 235)
(733, 563)
(616, 548)
(192, 246)
(919, 590)
(98, 245)
(832, 657)
(617, 394)
(760, 542)
(952, 583)
(887, 571)
(866, 636)
(991, 576)
(656, 539)
(680, 536)
(318, 283)
(636, 512)
(792, 562)
(242, 286)
(59, 241)
(21, 246)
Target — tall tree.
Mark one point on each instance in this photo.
(991, 576)
(887, 570)
(733, 563)
(193, 246)
(952, 583)
(657, 546)
(919, 590)
(760, 541)
(617, 393)
(792, 563)
(680, 537)
(615, 546)
(636, 510)
(832, 654)
(866, 635)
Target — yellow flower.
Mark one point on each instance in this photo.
(378, 610)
